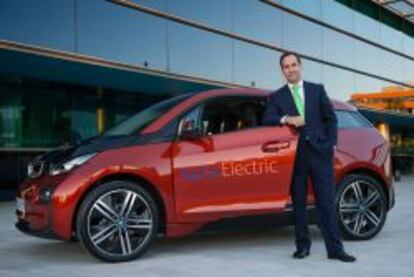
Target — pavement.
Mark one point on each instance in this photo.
(263, 252)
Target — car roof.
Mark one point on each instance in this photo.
(337, 104)
(195, 97)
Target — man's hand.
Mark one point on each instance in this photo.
(296, 121)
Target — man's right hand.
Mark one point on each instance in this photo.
(296, 121)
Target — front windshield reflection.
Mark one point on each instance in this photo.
(137, 122)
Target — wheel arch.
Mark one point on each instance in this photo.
(371, 173)
(147, 185)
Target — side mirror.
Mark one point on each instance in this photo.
(189, 130)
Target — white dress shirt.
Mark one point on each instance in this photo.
(301, 93)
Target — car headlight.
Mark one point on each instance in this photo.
(66, 166)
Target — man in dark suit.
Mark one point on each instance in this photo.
(306, 106)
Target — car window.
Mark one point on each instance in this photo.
(351, 119)
(229, 114)
(142, 119)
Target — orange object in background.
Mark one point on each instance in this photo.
(391, 98)
(392, 112)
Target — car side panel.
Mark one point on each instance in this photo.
(230, 174)
(151, 162)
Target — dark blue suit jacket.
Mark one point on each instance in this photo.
(320, 120)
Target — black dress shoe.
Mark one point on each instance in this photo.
(342, 256)
(301, 253)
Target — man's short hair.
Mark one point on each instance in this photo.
(285, 54)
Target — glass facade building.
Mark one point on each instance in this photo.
(71, 68)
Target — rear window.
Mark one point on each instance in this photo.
(351, 119)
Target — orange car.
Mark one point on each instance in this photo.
(190, 161)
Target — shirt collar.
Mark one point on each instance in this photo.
(300, 83)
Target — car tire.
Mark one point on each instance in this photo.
(117, 221)
(361, 205)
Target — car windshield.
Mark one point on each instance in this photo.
(142, 119)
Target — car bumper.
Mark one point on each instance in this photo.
(24, 227)
(35, 214)
(36, 220)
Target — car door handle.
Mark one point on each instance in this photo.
(275, 146)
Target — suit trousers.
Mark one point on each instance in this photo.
(318, 165)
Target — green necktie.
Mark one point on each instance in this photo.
(298, 101)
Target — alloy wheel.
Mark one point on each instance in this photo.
(119, 222)
(361, 208)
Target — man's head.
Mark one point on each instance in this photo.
(291, 66)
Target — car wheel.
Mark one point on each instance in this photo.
(117, 221)
(362, 207)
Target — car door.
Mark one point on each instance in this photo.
(236, 167)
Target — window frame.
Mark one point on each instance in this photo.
(357, 116)
(207, 101)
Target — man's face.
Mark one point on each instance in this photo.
(291, 69)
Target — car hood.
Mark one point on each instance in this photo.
(92, 145)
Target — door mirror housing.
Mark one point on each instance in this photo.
(189, 129)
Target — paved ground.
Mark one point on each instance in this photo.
(260, 253)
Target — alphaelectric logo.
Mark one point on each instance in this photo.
(230, 169)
